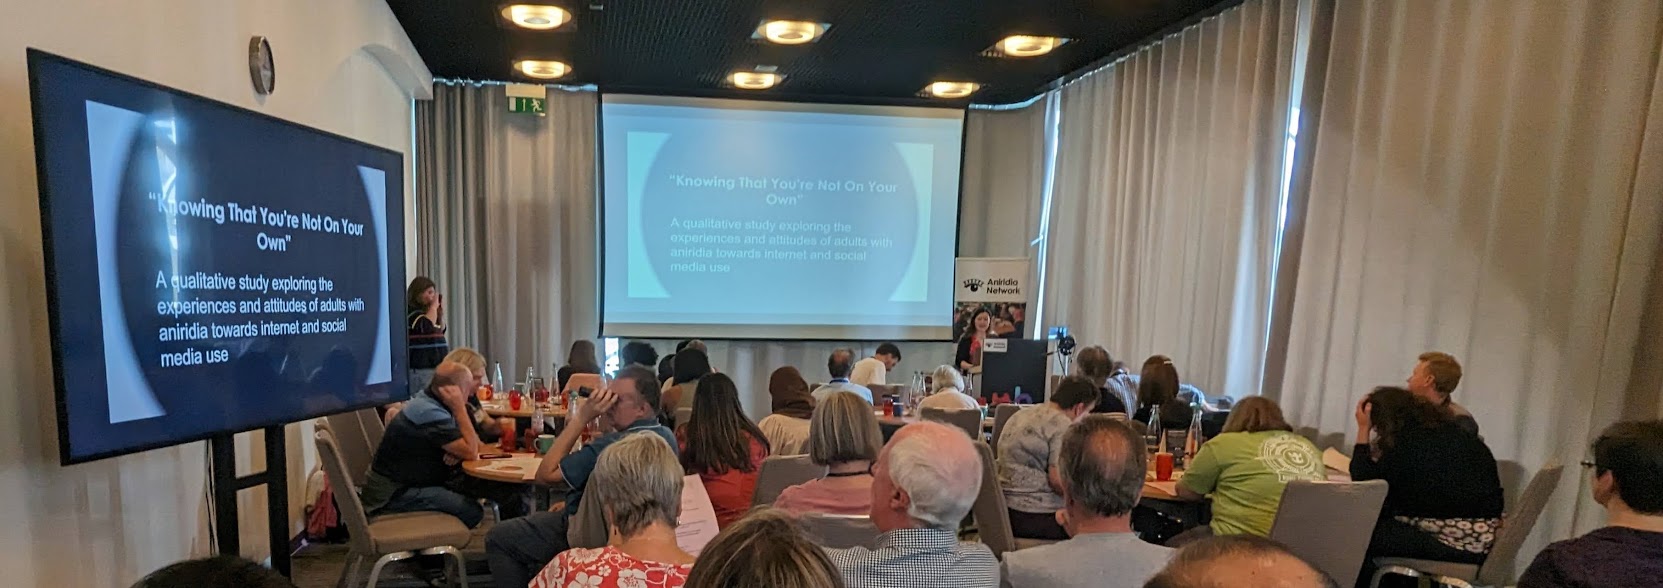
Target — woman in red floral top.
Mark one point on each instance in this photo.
(638, 482)
(723, 446)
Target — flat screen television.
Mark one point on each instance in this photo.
(210, 269)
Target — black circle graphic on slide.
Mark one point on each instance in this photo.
(866, 185)
(258, 377)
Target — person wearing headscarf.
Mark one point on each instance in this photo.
(787, 428)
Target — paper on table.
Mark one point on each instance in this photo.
(527, 466)
(697, 525)
(1336, 460)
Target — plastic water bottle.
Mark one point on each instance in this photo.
(1152, 434)
(537, 420)
(496, 378)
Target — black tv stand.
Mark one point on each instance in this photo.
(275, 478)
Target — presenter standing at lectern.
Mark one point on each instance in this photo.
(425, 318)
(970, 345)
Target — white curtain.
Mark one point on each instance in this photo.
(1166, 197)
(505, 221)
(1485, 178)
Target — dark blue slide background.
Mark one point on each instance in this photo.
(202, 151)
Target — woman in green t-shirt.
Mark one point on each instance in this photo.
(1245, 469)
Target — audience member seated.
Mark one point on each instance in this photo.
(723, 446)
(1434, 379)
(838, 366)
(874, 371)
(1158, 386)
(580, 360)
(667, 366)
(638, 483)
(969, 354)
(691, 365)
(220, 571)
(947, 391)
(418, 466)
(1239, 561)
(638, 353)
(489, 429)
(1029, 449)
(520, 547)
(787, 428)
(764, 550)
(1116, 389)
(1444, 500)
(923, 484)
(1245, 469)
(844, 436)
(1628, 552)
(1102, 463)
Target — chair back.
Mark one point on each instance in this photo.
(970, 421)
(354, 446)
(593, 381)
(780, 472)
(841, 531)
(1001, 413)
(352, 509)
(587, 528)
(683, 414)
(881, 390)
(993, 522)
(1498, 566)
(374, 428)
(1329, 524)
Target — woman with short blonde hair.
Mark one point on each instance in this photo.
(844, 436)
(638, 483)
(947, 391)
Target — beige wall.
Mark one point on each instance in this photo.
(342, 65)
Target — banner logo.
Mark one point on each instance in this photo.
(974, 284)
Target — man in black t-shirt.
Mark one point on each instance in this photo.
(418, 465)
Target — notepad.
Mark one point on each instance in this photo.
(696, 526)
(1336, 460)
(525, 466)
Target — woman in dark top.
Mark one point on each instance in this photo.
(425, 318)
(580, 360)
(1158, 386)
(970, 343)
(1445, 498)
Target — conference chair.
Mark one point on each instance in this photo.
(993, 522)
(587, 528)
(1497, 569)
(374, 427)
(354, 446)
(780, 472)
(881, 390)
(841, 531)
(968, 420)
(1329, 524)
(683, 415)
(1001, 413)
(392, 537)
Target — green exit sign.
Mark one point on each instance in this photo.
(527, 105)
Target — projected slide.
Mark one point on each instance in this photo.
(212, 270)
(729, 218)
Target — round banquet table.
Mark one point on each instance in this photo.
(497, 471)
(499, 409)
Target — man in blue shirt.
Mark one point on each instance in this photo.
(519, 548)
(840, 364)
(417, 466)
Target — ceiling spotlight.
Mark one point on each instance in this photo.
(543, 70)
(951, 89)
(1026, 45)
(791, 32)
(754, 80)
(536, 16)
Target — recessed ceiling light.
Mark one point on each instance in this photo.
(754, 80)
(536, 16)
(951, 89)
(1026, 45)
(791, 32)
(543, 70)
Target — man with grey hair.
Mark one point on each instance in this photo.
(923, 484)
(1102, 469)
(840, 364)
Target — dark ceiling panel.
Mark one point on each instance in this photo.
(881, 51)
